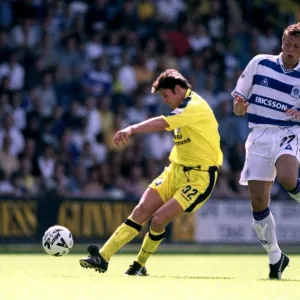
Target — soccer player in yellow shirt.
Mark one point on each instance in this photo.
(184, 186)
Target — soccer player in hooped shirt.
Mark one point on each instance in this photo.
(269, 91)
(184, 186)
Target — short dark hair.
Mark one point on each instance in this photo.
(168, 80)
(293, 29)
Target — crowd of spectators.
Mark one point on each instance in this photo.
(74, 72)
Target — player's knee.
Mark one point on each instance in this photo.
(140, 214)
(287, 180)
(158, 223)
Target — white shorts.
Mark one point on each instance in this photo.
(264, 146)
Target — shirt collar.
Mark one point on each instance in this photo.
(186, 98)
(279, 59)
(188, 93)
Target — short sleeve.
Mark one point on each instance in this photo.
(244, 82)
(180, 117)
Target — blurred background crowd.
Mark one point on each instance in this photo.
(72, 73)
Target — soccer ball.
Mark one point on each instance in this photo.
(57, 241)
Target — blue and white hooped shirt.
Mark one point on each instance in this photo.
(270, 90)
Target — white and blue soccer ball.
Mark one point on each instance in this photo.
(58, 240)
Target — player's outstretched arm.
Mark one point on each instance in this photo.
(151, 125)
(240, 105)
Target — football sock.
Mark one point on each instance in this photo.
(150, 243)
(123, 234)
(264, 225)
(295, 193)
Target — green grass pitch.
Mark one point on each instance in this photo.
(171, 277)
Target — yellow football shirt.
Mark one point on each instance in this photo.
(196, 135)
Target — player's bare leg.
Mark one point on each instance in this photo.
(148, 205)
(287, 167)
(161, 218)
(264, 225)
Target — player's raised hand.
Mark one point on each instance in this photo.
(240, 105)
(294, 113)
(122, 136)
